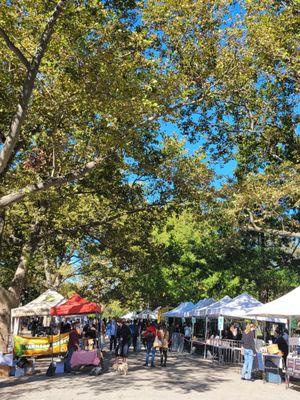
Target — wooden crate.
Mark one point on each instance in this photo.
(4, 371)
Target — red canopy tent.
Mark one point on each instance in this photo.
(76, 305)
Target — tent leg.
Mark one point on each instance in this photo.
(205, 337)
(290, 331)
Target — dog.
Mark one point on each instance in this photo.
(120, 367)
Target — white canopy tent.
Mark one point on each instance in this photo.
(239, 307)
(236, 308)
(130, 315)
(146, 314)
(285, 306)
(201, 304)
(206, 310)
(39, 307)
(180, 310)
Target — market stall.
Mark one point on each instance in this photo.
(146, 314)
(202, 311)
(286, 306)
(29, 345)
(130, 315)
(180, 310)
(39, 307)
(78, 306)
(201, 304)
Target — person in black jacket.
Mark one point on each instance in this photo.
(281, 343)
(124, 337)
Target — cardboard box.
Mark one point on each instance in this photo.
(4, 371)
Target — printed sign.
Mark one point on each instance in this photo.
(220, 323)
(37, 346)
(193, 320)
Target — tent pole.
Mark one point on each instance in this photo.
(100, 330)
(290, 331)
(205, 336)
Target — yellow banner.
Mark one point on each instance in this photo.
(162, 311)
(38, 346)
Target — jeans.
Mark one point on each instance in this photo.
(150, 350)
(68, 360)
(134, 342)
(248, 362)
(113, 342)
(187, 343)
(124, 350)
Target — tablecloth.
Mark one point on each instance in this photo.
(83, 357)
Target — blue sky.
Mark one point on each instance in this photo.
(222, 170)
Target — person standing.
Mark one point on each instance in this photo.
(134, 334)
(164, 338)
(248, 345)
(176, 337)
(187, 337)
(124, 336)
(73, 345)
(111, 332)
(150, 335)
(281, 343)
(286, 336)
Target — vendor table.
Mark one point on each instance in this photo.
(269, 363)
(83, 357)
(292, 368)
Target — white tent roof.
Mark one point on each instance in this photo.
(286, 306)
(129, 315)
(146, 314)
(201, 303)
(206, 309)
(39, 306)
(236, 308)
(180, 310)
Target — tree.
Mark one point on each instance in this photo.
(237, 66)
(80, 92)
(87, 88)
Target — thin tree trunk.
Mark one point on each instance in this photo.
(10, 298)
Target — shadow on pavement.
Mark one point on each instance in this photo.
(182, 375)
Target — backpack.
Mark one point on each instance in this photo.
(51, 369)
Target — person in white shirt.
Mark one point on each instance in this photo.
(187, 337)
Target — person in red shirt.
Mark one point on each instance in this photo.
(150, 335)
(73, 345)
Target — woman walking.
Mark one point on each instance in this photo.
(164, 338)
(248, 345)
(150, 335)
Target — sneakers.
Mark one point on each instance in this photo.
(152, 366)
(145, 365)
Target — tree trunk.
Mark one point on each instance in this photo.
(7, 301)
(10, 298)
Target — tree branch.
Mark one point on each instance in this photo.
(14, 48)
(20, 115)
(284, 233)
(52, 182)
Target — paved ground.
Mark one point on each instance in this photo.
(186, 378)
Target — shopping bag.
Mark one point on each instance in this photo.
(157, 342)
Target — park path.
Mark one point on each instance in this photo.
(186, 378)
